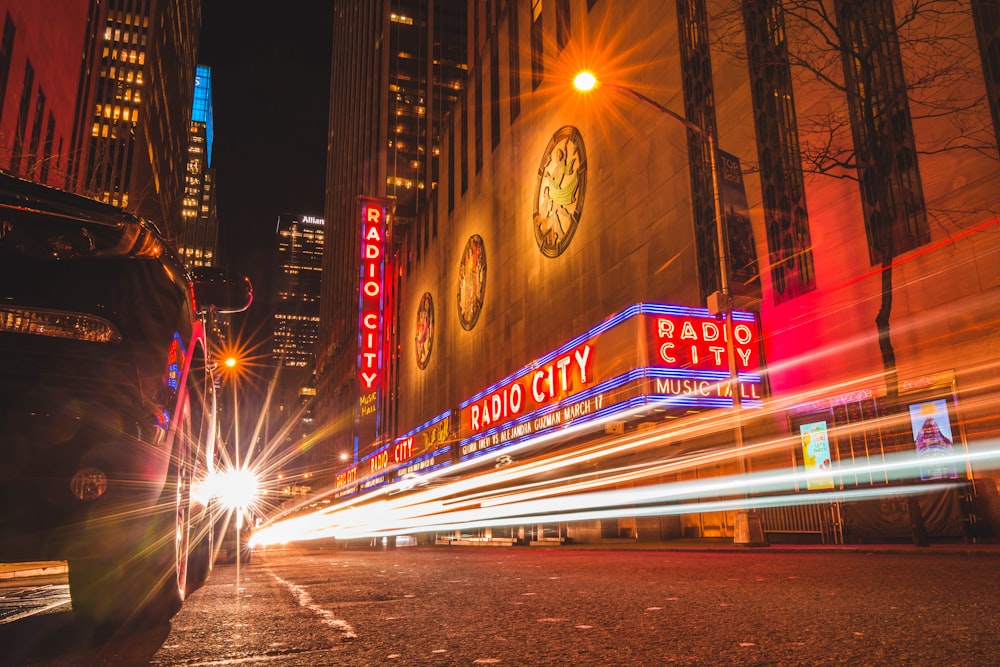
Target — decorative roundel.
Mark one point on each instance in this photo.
(425, 330)
(559, 191)
(471, 282)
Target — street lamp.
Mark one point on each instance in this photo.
(231, 363)
(720, 302)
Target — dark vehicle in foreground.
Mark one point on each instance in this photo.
(107, 402)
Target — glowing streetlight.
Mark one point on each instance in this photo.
(720, 302)
(585, 81)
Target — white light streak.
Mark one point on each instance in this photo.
(574, 498)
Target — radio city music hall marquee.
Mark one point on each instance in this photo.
(671, 356)
(649, 353)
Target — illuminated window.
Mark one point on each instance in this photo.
(562, 22)
(699, 107)
(536, 43)
(514, 56)
(875, 82)
(987, 19)
(494, 92)
(784, 200)
(478, 121)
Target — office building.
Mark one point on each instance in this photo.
(297, 289)
(199, 238)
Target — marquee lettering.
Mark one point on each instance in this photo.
(403, 450)
(547, 384)
(349, 476)
(378, 461)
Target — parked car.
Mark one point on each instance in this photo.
(107, 401)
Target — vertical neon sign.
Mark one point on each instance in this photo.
(370, 315)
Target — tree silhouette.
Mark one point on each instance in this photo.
(869, 72)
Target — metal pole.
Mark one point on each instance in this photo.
(727, 294)
(239, 510)
(723, 241)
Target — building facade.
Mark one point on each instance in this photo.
(39, 77)
(751, 204)
(97, 99)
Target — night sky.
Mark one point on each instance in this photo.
(271, 83)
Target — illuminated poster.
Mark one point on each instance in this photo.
(816, 453)
(933, 439)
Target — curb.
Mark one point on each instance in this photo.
(24, 570)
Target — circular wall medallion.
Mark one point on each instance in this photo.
(471, 282)
(425, 330)
(559, 191)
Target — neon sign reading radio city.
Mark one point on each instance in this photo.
(370, 316)
(562, 376)
(706, 332)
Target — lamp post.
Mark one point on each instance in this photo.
(231, 364)
(720, 302)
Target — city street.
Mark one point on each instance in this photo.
(562, 606)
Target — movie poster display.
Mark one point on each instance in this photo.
(933, 439)
(816, 454)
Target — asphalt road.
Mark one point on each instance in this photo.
(564, 606)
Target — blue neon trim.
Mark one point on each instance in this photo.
(607, 324)
(427, 424)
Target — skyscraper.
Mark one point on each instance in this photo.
(407, 58)
(199, 238)
(297, 290)
(296, 327)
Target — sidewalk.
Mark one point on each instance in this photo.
(34, 569)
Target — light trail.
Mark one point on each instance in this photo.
(383, 517)
(575, 474)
